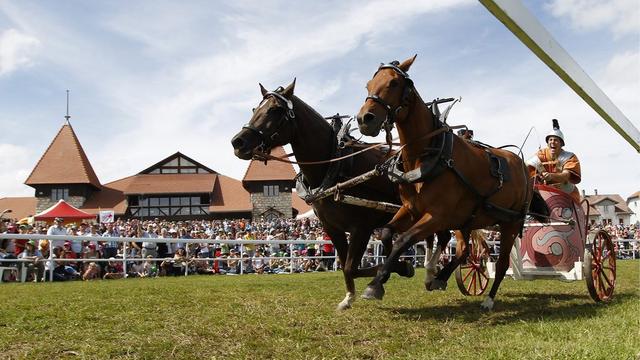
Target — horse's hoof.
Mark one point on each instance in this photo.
(430, 276)
(409, 269)
(373, 292)
(487, 304)
(346, 303)
(436, 284)
(343, 306)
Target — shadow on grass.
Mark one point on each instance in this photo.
(514, 308)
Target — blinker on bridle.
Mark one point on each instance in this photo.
(289, 115)
(392, 113)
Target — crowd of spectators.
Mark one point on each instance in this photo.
(150, 258)
(624, 235)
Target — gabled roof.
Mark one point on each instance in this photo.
(619, 204)
(171, 184)
(111, 197)
(64, 162)
(178, 162)
(21, 207)
(273, 170)
(634, 195)
(230, 196)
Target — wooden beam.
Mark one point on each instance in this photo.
(530, 31)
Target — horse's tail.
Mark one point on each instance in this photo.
(538, 208)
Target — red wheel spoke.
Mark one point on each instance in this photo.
(476, 283)
(606, 278)
(603, 290)
(472, 282)
(484, 275)
(464, 280)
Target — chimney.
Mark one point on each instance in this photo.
(595, 191)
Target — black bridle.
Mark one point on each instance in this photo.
(392, 113)
(289, 116)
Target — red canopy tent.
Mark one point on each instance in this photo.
(63, 210)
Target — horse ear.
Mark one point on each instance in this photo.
(407, 63)
(263, 90)
(288, 92)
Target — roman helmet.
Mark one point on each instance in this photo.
(555, 132)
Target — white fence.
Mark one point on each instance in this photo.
(126, 258)
(632, 250)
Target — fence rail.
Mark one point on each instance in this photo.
(632, 251)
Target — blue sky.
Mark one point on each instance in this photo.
(149, 78)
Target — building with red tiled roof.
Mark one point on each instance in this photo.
(633, 202)
(270, 185)
(21, 207)
(177, 187)
(63, 172)
(607, 209)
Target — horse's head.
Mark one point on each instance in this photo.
(272, 124)
(389, 93)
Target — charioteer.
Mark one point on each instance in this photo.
(555, 166)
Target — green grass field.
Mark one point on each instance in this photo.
(293, 317)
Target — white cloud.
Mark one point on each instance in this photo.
(621, 16)
(16, 50)
(16, 162)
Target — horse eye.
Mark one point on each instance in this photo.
(393, 83)
(253, 110)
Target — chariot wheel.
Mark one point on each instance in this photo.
(473, 277)
(600, 267)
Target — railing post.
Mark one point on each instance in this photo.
(241, 259)
(290, 258)
(124, 258)
(186, 252)
(50, 260)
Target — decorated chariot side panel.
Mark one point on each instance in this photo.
(555, 247)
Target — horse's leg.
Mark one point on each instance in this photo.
(508, 234)
(402, 268)
(428, 249)
(358, 241)
(339, 240)
(462, 251)
(424, 227)
(432, 266)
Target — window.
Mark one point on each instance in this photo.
(142, 206)
(173, 162)
(57, 194)
(185, 162)
(271, 190)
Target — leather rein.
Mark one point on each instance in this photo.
(263, 150)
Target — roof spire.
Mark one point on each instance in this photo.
(67, 117)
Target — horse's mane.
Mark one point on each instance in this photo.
(308, 111)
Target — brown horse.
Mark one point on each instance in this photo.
(445, 182)
(282, 118)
